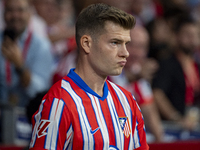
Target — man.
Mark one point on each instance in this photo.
(84, 110)
(136, 77)
(177, 82)
(25, 58)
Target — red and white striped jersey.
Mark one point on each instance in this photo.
(73, 116)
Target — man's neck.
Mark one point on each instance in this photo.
(92, 79)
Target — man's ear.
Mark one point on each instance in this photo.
(86, 43)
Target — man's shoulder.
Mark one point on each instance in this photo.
(118, 87)
(58, 87)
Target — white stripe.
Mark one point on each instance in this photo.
(118, 131)
(69, 136)
(85, 126)
(57, 118)
(100, 120)
(136, 138)
(37, 121)
(70, 146)
(50, 129)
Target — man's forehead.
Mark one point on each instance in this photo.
(116, 31)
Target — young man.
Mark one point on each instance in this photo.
(84, 110)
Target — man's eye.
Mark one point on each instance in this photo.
(114, 43)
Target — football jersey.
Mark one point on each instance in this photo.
(72, 116)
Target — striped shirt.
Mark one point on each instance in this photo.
(73, 116)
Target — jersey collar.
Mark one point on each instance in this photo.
(77, 79)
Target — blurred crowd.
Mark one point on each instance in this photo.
(38, 47)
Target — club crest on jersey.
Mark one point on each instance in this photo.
(125, 126)
(42, 127)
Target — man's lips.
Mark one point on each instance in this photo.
(122, 63)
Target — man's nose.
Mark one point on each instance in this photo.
(124, 52)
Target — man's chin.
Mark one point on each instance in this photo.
(117, 73)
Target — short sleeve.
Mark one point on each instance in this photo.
(51, 124)
(139, 131)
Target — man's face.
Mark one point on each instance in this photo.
(188, 38)
(108, 52)
(16, 15)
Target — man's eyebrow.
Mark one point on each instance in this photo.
(119, 40)
(115, 39)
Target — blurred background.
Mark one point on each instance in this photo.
(37, 48)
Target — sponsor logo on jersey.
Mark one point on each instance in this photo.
(94, 131)
(42, 127)
(125, 126)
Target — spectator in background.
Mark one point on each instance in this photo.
(37, 23)
(78, 6)
(136, 78)
(59, 23)
(1, 15)
(195, 13)
(60, 31)
(145, 10)
(177, 85)
(134, 7)
(25, 58)
(161, 39)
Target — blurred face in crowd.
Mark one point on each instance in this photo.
(48, 10)
(137, 6)
(16, 15)
(138, 47)
(161, 32)
(188, 38)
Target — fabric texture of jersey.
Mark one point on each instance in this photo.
(73, 116)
